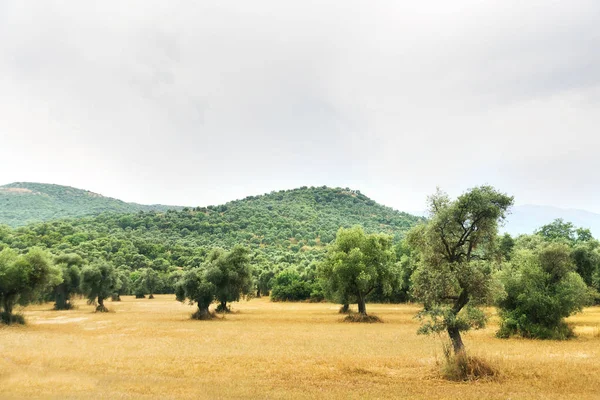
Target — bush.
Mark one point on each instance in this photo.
(541, 290)
(289, 286)
(360, 317)
(462, 367)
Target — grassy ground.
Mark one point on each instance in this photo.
(151, 349)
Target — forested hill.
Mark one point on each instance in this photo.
(286, 225)
(25, 202)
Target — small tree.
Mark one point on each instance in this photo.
(231, 274)
(123, 284)
(70, 268)
(24, 279)
(98, 281)
(149, 281)
(541, 289)
(195, 288)
(456, 249)
(356, 264)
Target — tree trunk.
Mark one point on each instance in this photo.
(101, 307)
(362, 308)
(258, 293)
(345, 308)
(202, 313)
(8, 307)
(457, 343)
(222, 307)
(453, 332)
(60, 298)
(151, 296)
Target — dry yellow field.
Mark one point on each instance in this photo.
(151, 349)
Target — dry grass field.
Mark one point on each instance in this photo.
(151, 349)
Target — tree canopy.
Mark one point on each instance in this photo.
(356, 264)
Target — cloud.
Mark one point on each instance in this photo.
(202, 102)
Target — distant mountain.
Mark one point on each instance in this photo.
(528, 218)
(26, 202)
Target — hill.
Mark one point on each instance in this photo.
(22, 203)
(286, 227)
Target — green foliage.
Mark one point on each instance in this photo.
(286, 229)
(123, 284)
(289, 286)
(455, 254)
(25, 202)
(70, 268)
(24, 278)
(559, 230)
(149, 281)
(98, 282)
(231, 274)
(541, 289)
(196, 288)
(356, 264)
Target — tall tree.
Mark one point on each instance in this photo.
(456, 249)
(356, 264)
(98, 281)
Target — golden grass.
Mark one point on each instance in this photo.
(152, 349)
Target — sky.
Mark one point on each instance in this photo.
(202, 102)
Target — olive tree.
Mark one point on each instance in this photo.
(231, 275)
(456, 250)
(98, 281)
(24, 279)
(356, 264)
(149, 281)
(194, 287)
(123, 284)
(70, 268)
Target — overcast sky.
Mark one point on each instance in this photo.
(201, 102)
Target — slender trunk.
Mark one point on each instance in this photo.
(457, 343)
(362, 308)
(344, 308)
(258, 293)
(222, 307)
(453, 332)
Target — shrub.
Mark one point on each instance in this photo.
(541, 289)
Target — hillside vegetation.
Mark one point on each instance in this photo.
(283, 230)
(22, 203)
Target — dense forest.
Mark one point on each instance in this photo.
(285, 230)
(22, 203)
